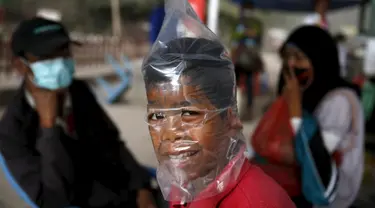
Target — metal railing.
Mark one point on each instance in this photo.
(92, 52)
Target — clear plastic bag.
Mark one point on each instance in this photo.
(191, 111)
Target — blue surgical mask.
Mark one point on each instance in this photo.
(53, 74)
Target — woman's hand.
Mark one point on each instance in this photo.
(145, 199)
(292, 93)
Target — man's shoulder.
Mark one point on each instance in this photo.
(256, 189)
(80, 85)
(16, 111)
(80, 90)
(12, 125)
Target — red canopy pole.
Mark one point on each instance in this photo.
(199, 7)
(321, 7)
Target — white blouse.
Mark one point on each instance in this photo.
(340, 117)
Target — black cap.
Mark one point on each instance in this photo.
(39, 36)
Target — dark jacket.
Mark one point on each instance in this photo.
(92, 170)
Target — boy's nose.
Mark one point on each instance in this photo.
(172, 135)
(173, 130)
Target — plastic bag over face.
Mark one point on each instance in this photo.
(191, 112)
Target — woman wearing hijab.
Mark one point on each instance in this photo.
(326, 120)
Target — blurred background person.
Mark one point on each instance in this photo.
(341, 42)
(246, 43)
(325, 115)
(248, 64)
(58, 143)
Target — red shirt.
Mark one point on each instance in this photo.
(252, 189)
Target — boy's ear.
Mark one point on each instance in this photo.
(234, 120)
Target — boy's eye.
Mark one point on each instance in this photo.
(156, 116)
(189, 113)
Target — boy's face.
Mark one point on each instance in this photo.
(188, 132)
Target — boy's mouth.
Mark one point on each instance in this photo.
(180, 152)
(181, 157)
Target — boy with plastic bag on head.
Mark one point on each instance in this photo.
(193, 122)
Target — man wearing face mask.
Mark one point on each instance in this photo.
(58, 143)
